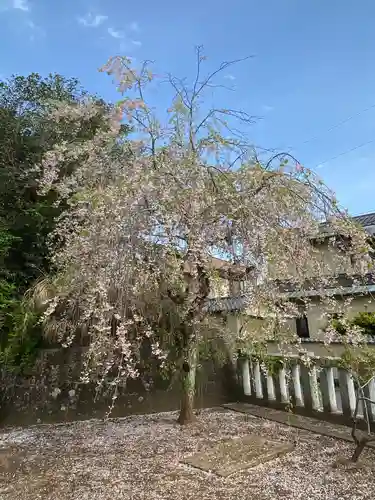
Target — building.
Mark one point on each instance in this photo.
(342, 284)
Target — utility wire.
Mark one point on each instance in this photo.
(327, 131)
(333, 127)
(345, 152)
(337, 125)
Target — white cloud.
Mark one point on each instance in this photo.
(134, 26)
(230, 77)
(91, 21)
(137, 43)
(35, 31)
(21, 5)
(114, 33)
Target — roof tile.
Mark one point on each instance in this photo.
(365, 219)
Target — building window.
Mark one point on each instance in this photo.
(302, 326)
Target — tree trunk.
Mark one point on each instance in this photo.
(188, 380)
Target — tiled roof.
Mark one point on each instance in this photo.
(340, 285)
(365, 219)
(228, 304)
(337, 281)
(225, 304)
(332, 292)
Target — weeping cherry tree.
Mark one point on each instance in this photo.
(133, 252)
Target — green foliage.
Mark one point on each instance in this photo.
(7, 305)
(23, 342)
(360, 361)
(364, 320)
(26, 134)
(213, 349)
(26, 218)
(257, 349)
(274, 364)
(339, 326)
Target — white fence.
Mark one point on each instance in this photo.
(322, 389)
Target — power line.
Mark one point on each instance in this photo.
(345, 152)
(333, 157)
(337, 125)
(327, 131)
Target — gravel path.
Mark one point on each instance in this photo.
(138, 458)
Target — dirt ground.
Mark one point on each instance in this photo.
(139, 458)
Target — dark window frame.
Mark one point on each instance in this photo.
(302, 327)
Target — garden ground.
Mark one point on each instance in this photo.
(139, 458)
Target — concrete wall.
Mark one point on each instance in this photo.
(314, 315)
(336, 261)
(364, 303)
(29, 400)
(333, 261)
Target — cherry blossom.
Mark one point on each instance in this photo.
(144, 217)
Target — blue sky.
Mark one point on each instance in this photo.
(313, 66)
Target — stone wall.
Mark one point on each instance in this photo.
(35, 398)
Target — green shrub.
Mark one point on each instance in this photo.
(24, 338)
(364, 320)
(338, 326)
